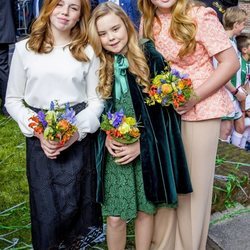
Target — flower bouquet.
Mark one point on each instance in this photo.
(170, 87)
(56, 124)
(120, 128)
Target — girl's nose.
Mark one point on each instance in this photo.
(110, 37)
(65, 10)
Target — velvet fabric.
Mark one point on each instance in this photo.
(163, 161)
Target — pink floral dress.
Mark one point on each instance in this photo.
(211, 39)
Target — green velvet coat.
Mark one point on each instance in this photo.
(163, 161)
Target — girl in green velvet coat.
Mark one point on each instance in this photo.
(134, 179)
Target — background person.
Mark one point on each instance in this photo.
(7, 37)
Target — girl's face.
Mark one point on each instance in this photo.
(65, 15)
(113, 33)
(164, 6)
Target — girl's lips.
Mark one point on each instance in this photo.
(63, 20)
(114, 44)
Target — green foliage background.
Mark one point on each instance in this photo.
(14, 215)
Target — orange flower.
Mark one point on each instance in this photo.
(63, 125)
(153, 90)
(181, 98)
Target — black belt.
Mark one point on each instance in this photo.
(77, 108)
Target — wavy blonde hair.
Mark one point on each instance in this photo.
(137, 61)
(41, 37)
(182, 27)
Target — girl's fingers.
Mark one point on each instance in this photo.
(111, 151)
(123, 160)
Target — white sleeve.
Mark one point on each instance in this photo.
(88, 119)
(15, 95)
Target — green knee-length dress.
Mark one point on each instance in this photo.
(124, 192)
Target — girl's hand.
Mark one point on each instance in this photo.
(72, 139)
(50, 148)
(113, 146)
(187, 106)
(127, 153)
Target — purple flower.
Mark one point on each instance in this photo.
(69, 115)
(52, 105)
(184, 76)
(67, 106)
(41, 117)
(158, 90)
(117, 118)
(109, 115)
(164, 101)
(175, 73)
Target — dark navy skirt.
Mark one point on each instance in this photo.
(64, 212)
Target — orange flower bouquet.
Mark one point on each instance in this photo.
(56, 124)
(120, 127)
(170, 87)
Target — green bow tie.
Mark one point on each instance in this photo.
(120, 66)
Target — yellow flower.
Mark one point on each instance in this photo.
(166, 88)
(157, 80)
(135, 132)
(158, 98)
(130, 121)
(181, 85)
(124, 128)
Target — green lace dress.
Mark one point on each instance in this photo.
(124, 192)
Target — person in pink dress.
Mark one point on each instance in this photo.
(188, 36)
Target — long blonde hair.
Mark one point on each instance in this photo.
(137, 61)
(41, 38)
(182, 27)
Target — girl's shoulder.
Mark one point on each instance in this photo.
(21, 43)
(21, 46)
(201, 12)
(148, 47)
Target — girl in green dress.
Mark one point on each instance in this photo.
(134, 179)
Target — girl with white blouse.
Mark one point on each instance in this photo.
(57, 63)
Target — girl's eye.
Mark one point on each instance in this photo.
(116, 29)
(101, 34)
(74, 8)
(60, 4)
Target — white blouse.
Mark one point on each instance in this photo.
(39, 79)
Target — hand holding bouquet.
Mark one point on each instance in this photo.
(170, 87)
(56, 124)
(120, 128)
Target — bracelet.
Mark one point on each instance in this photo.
(235, 92)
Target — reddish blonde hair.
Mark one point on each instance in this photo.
(41, 38)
